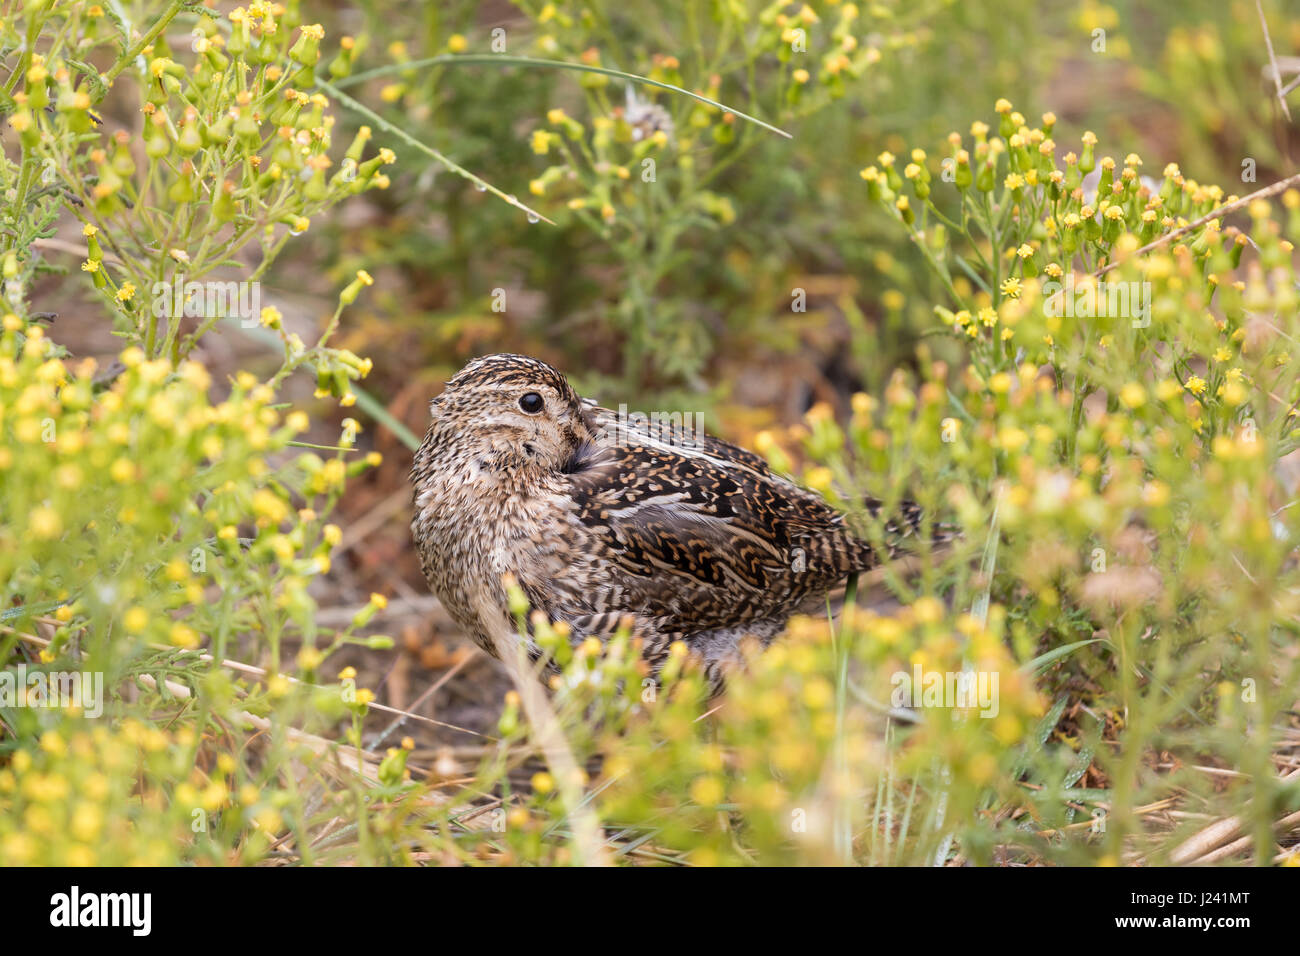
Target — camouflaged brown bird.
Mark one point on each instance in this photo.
(597, 519)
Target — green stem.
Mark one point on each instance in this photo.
(161, 24)
(25, 175)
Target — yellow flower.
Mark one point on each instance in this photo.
(1133, 395)
(819, 479)
(1007, 729)
(135, 620)
(981, 768)
(183, 636)
(1167, 389)
(1012, 438)
(927, 610)
(1155, 494)
(46, 523)
(1234, 394)
(333, 473)
(1011, 288)
(268, 505)
(86, 821)
(1196, 385)
(707, 790)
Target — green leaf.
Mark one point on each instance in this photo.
(1055, 654)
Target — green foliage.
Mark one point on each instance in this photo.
(1120, 426)
(646, 185)
(140, 518)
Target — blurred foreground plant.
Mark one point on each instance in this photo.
(149, 534)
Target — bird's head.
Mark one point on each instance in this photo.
(512, 412)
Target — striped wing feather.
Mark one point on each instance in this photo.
(704, 533)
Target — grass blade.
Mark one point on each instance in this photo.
(533, 61)
(429, 151)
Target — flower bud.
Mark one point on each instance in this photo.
(306, 50)
(38, 93)
(1087, 161)
(353, 289)
(189, 141)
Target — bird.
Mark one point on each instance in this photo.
(606, 520)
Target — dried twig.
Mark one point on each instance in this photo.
(588, 838)
(1214, 837)
(1272, 59)
(1225, 209)
(429, 692)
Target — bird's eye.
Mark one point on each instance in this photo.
(531, 402)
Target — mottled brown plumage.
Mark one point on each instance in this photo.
(596, 519)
